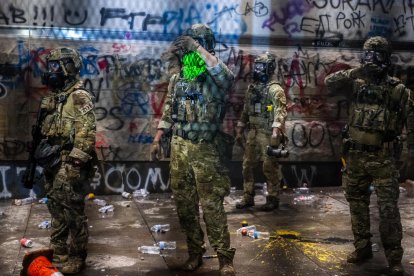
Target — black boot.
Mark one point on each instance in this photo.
(226, 266)
(396, 269)
(360, 255)
(247, 201)
(272, 203)
(194, 261)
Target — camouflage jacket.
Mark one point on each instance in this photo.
(70, 120)
(212, 91)
(397, 101)
(264, 106)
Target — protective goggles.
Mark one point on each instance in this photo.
(53, 66)
(374, 56)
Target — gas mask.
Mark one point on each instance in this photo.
(380, 59)
(54, 78)
(261, 72)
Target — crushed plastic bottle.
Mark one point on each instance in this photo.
(43, 200)
(106, 209)
(146, 249)
(45, 224)
(160, 228)
(304, 199)
(264, 189)
(140, 193)
(258, 234)
(375, 247)
(24, 201)
(166, 245)
(245, 229)
(126, 195)
(301, 190)
(232, 189)
(100, 202)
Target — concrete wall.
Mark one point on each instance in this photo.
(121, 43)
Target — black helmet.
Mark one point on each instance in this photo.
(204, 35)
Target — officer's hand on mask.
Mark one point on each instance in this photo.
(72, 172)
(155, 151)
(186, 44)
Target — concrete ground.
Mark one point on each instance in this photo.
(309, 237)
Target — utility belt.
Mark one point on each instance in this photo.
(196, 136)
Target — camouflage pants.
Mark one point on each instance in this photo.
(197, 175)
(364, 169)
(65, 189)
(254, 153)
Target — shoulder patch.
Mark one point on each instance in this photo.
(86, 108)
(83, 100)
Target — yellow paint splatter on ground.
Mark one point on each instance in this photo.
(285, 240)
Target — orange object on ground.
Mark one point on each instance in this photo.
(39, 263)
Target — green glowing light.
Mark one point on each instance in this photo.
(193, 65)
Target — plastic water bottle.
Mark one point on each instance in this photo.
(258, 234)
(245, 229)
(232, 189)
(126, 195)
(24, 201)
(45, 224)
(106, 209)
(160, 228)
(140, 193)
(100, 202)
(264, 189)
(146, 249)
(43, 200)
(170, 245)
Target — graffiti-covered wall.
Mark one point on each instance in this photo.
(121, 43)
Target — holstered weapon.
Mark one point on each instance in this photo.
(28, 177)
(165, 143)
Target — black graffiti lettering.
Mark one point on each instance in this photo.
(70, 16)
(4, 17)
(114, 111)
(299, 137)
(119, 13)
(324, 27)
(317, 3)
(362, 3)
(357, 19)
(152, 20)
(316, 141)
(304, 24)
(337, 6)
(17, 15)
(348, 2)
(384, 10)
(400, 25)
(409, 5)
(100, 113)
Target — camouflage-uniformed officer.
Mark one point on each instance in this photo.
(194, 109)
(381, 106)
(264, 115)
(66, 153)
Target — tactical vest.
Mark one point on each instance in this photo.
(58, 124)
(260, 106)
(378, 111)
(197, 109)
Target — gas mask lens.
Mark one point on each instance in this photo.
(259, 67)
(53, 67)
(374, 57)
